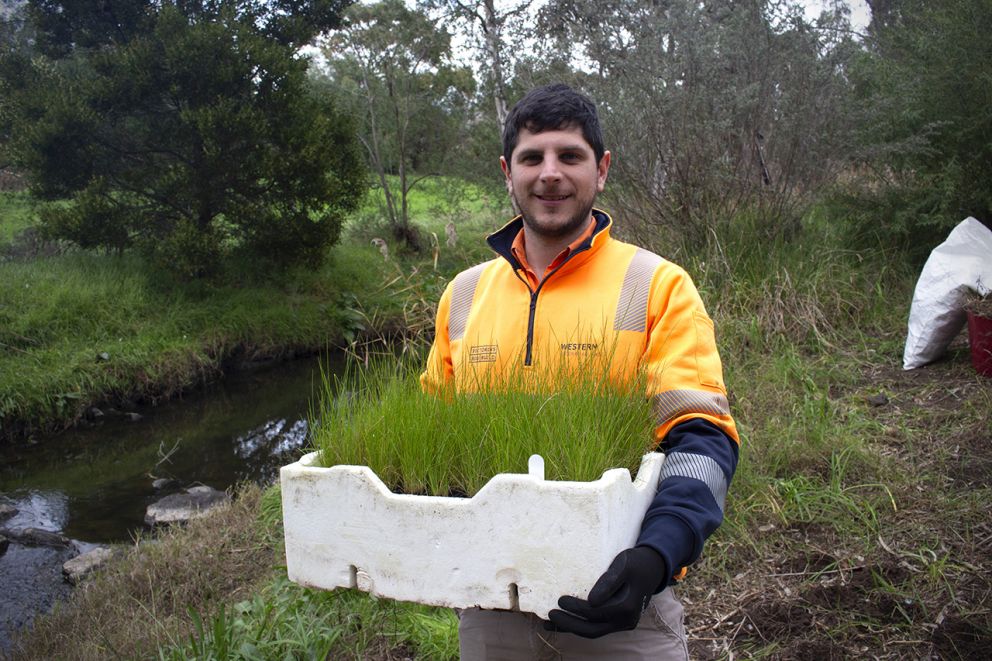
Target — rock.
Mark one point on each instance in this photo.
(39, 537)
(163, 483)
(181, 507)
(104, 356)
(74, 570)
(7, 511)
(133, 417)
(4, 544)
(878, 400)
(94, 413)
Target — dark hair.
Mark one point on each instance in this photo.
(551, 107)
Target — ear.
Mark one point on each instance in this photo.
(505, 167)
(602, 170)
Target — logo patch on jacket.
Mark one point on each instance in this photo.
(483, 353)
(575, 347)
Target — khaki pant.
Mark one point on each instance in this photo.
(489, 635)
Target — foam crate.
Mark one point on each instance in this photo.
(518, 544)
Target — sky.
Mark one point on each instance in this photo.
(860, 14)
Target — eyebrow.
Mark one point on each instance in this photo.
(523, 153)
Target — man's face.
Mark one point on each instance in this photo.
(553, 178)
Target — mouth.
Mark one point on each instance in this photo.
(552, 198)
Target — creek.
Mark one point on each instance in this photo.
(93, 483)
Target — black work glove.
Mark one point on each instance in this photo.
(617, 599)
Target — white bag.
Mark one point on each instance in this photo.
(959, 266)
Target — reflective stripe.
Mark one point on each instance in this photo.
(672, 403)
(632, 305)
(698, 467)
(462, 293)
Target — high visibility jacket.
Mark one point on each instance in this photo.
(614, 305)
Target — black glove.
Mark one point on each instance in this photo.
(617, 600)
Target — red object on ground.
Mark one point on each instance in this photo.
(980, 337)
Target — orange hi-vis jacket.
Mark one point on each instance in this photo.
(612, 304)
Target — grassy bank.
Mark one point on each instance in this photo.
(79, 329)
(856, 524)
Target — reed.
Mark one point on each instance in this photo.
(452, 443)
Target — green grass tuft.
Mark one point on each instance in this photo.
(455, 442)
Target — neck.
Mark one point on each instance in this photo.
(541, 250)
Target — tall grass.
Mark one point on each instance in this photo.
(80, 329)
(15, 215)
(454, 442)
(286, 621)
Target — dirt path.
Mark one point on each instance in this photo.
(920, 589)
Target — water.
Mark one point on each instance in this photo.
(93, 484)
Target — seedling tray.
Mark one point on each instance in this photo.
(518, 544)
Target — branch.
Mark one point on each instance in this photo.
(419, 179)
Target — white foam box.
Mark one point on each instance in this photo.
(518, 544)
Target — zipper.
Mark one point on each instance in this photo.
(529, 354)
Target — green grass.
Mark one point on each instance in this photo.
(455, 442)
(79, 329)
(284, 620)
(15, 216)
(433, 201)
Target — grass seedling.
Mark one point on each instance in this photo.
(454, 442)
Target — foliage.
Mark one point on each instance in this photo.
(15, 217)
(16, 36)
(391, 66)
(59, 314)
(288, 621)
(712, 107)
(927, 138)
(496, 34)
(455, 442)
(189, 162)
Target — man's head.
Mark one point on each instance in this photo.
(554, 163)
(555, 106)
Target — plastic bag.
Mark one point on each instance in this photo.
(960, 266)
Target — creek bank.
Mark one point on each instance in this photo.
(39, 568)
(91, 409)
(96, 483)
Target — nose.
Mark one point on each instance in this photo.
(549, 169)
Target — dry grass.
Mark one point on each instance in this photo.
(981, 306)
(910, 581)
(143, 599)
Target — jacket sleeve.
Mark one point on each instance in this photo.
(439, 371)
(694, 426)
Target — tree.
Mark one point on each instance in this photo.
(15, 37)
(392, 63)
(928, 134)
(185, 128)
(488, 25)
(712, 108)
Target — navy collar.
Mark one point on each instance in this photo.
(502, 239)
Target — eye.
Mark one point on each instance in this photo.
(570, 157)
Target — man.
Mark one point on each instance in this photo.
(562, 286)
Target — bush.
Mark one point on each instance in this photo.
(927, 134)
(190, 132)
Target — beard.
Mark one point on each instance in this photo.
(553, 230)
